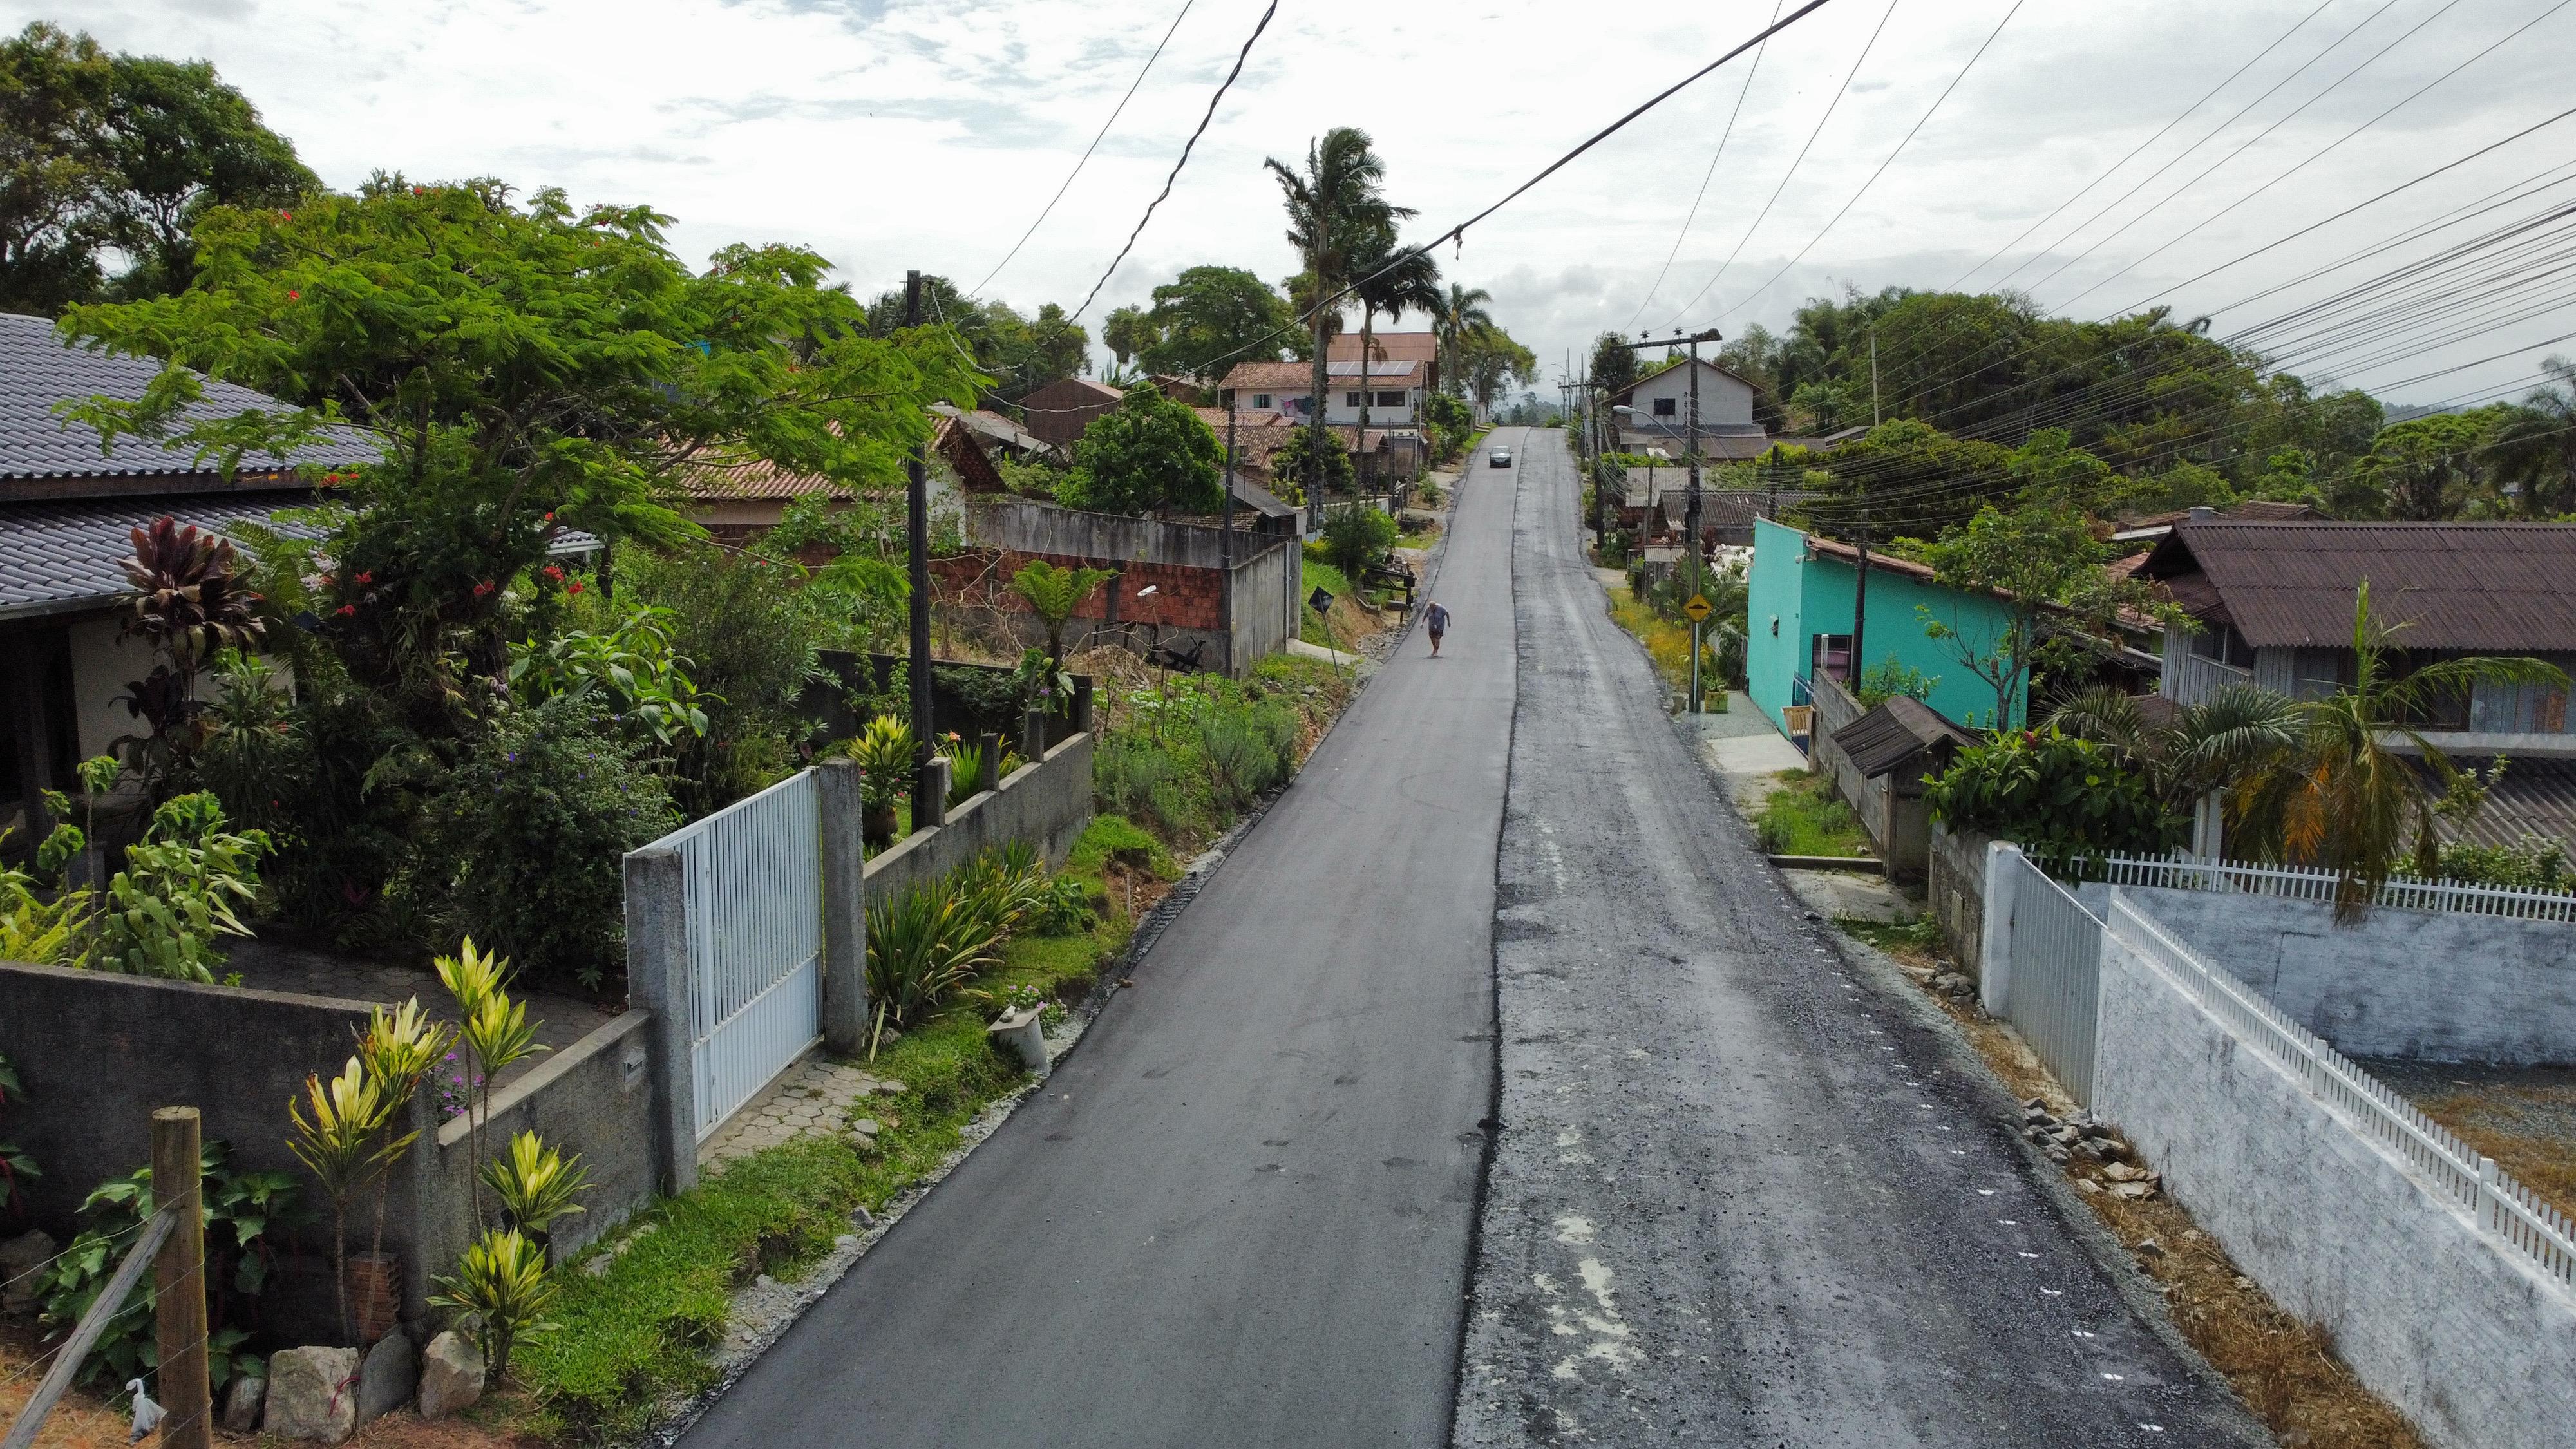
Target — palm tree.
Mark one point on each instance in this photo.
(2537, 448)
(1462, 308)
(2238, 732)
(2345, 797)
(1333, 202)
(1393, 280)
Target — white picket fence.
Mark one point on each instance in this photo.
(2304, 884)
(2512, 1212)
(753, 872)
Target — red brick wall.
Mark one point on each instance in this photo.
(1184, 598)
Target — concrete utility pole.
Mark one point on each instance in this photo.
(1691, 513)
(1225, 544)
(916, 471)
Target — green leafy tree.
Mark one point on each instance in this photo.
(1356, 537)
(524, 371)
(2534, 447)
(2423, 469)
(1018, 354)
(118, 155)
(1127, 334)
(1313, 454)
(2045, 568)
(1491, 363)
(1614, 364)
(1148, 454)
(1209, 318)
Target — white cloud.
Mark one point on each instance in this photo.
(898, 133)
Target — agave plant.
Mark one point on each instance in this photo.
(922, 947)
(503, 1278)
(536, 1184)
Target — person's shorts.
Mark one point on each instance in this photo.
(1436, 633)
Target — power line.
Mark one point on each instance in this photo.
(1190, 145)
(2329, 147)
(1794, 164)
(1991, 37)
(1114, 113)
(1711, 174)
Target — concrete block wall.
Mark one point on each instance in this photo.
(1047, 803)
(1955, 890)
(592, 1098)
(2443, 986)
(2470, 1341)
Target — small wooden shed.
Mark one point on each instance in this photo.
(1895, 749)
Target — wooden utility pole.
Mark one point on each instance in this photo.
(1225, 543)
(916, 472)
(179, 1283)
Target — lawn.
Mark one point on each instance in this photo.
(1806, 817)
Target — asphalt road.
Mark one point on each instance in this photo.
(1240, 1213)
(1745, 1193)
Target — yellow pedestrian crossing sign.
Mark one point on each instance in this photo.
(1697, 608)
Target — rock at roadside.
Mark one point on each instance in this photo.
(241, 1404)
(451, 1375)
(313, 1394)
(19, 1259)
(386, 1382)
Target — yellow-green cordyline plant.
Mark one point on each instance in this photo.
(496, 1033)
(2345, 798)
(536, 1184)
(502, 1277)
(338, 1144)
(398, 1048)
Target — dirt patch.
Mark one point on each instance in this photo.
(2283, 1368)
(2523, 1117)
(80, 1421)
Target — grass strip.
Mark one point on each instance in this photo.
(1807, 817)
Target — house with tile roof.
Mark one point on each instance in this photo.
(69, 503)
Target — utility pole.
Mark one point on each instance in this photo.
(1225, 543)
(1691, 513)
(916, 472)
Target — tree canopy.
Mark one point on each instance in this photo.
(118, 155)
(1020, 354)
(525, 370)
(1148, 454)
(1202, 323)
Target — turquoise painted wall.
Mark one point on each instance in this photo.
(1811, 596)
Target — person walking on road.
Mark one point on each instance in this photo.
(1436, 619)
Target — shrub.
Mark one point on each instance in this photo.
(1147, 453)
(923, 947)
(524, 850)
(502, 1278)
(161, 914)
(2054, 794)
(1249, 749)
(749, 632)
(1357, 536)
(239, 1209)
(2533, 863)
(1138, 778)
(1890, 678)
(884, 751)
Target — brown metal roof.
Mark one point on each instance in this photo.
(1297, 377)
(2481, 587)
(1900, 732)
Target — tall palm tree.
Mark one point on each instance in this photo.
(1393, 280)
(2537, 448)
(2241, 731)
(1333, 202)
(1462, 308)
(2345, 797)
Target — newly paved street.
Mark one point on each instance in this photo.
(1239, 1215)
(1743, 1194)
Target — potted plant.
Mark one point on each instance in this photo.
(884, 751)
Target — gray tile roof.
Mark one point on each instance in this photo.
(37, 371)
(57, 557)
(62, 557)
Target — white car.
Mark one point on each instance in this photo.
(1499, 458)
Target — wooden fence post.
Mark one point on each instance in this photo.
(179, 1282)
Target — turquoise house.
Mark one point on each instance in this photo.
(1799, 621)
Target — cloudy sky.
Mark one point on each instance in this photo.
(928, 133)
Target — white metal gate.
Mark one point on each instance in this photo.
(2054, 993)
(754, 877)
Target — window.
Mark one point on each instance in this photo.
(1664, 407)
(1390, 400)
(1350, 399)
(1261, 400)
